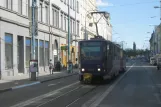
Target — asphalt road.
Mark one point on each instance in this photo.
(138, 87)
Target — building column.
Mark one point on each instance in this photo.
(25, 70)
(15, 64)
(2, 53)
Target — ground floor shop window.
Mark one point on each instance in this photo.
(41, 52)
(28, 51)
(8, 51)
(46, 53)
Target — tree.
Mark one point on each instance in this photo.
(131, 52)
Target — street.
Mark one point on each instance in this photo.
(140, 86)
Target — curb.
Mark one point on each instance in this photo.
(34, 83)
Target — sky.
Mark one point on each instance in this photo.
(131, 20)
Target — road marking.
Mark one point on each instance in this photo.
(145, 66)
(53, 84)
(100, 98)
(36, 99)
(25, 85)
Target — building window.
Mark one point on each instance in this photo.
(36, 49)
(20, 4)
(41, 12)
(41, 52)
(65, 23)
(77, 28)
(73, 26)
(62, 21)
(9, 4)
(53, 16)
(77, 7)
(8, 51)
(28, 51)
(73, 4)
(57, 19)
(27, 7)
(46, 53)
(47, 15)
(70, 3)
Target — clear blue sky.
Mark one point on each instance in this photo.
(131, 20)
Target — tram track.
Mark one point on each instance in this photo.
(89, 91)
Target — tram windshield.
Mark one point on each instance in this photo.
(91, 51)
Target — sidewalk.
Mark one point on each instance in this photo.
(17, 81)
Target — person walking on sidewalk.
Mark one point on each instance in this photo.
(51, 67)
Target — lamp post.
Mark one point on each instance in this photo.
(34, 30)
(68, 65)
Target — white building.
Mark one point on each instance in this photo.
(15, 42)
(157, 38)
(104, 26)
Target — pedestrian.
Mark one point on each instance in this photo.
(51, 67)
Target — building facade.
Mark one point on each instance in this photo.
(151, 41)
(51, 40)
(15, 38)
(155, 41)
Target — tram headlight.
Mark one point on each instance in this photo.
(99, 69)
(83, 69)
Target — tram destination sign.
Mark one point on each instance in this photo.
(91, 43)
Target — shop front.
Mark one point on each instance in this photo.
(64, 54)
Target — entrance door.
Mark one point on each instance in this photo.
(55, 51)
